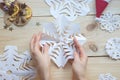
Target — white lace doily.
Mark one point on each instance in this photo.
(69, 8)
(107, 76)
(14, 66)
(109, 22)
(62, 47)
(113, 48)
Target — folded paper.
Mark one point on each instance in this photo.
(61, 46)
(71, 9)
(15, 66)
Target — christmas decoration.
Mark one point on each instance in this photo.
(15, 66)
(109, 22)
(113, 48)
(71, 9)
(100, 7)
(61, 43)
(15, 12)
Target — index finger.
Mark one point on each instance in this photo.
(82, 54)
(37, 46)
(32, 42)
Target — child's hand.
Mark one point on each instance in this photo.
(80, 63)
(40, 57)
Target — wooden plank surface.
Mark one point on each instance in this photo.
(29, 29)
(96, 66)
(98, 62)
(40, 8)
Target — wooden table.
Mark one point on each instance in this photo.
(98, 62)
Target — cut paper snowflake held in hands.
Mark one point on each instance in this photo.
(71, 9)
(61, 46)
(109, 22)
(15, 66)
(107, 76)
(113, 48)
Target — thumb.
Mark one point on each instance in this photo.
(76, 56)
(46, 49)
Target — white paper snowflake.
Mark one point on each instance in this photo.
(109, 22)
(62, 47)
(113, 48)
(107, 76)
(71, 9)
(14, 66)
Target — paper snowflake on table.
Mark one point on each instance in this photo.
(109, 22)
(14, 66)
(61, 46)
(113, 48)
(107, 76)
(71, 9)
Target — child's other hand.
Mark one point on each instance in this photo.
(40, 57)
(80, 62)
